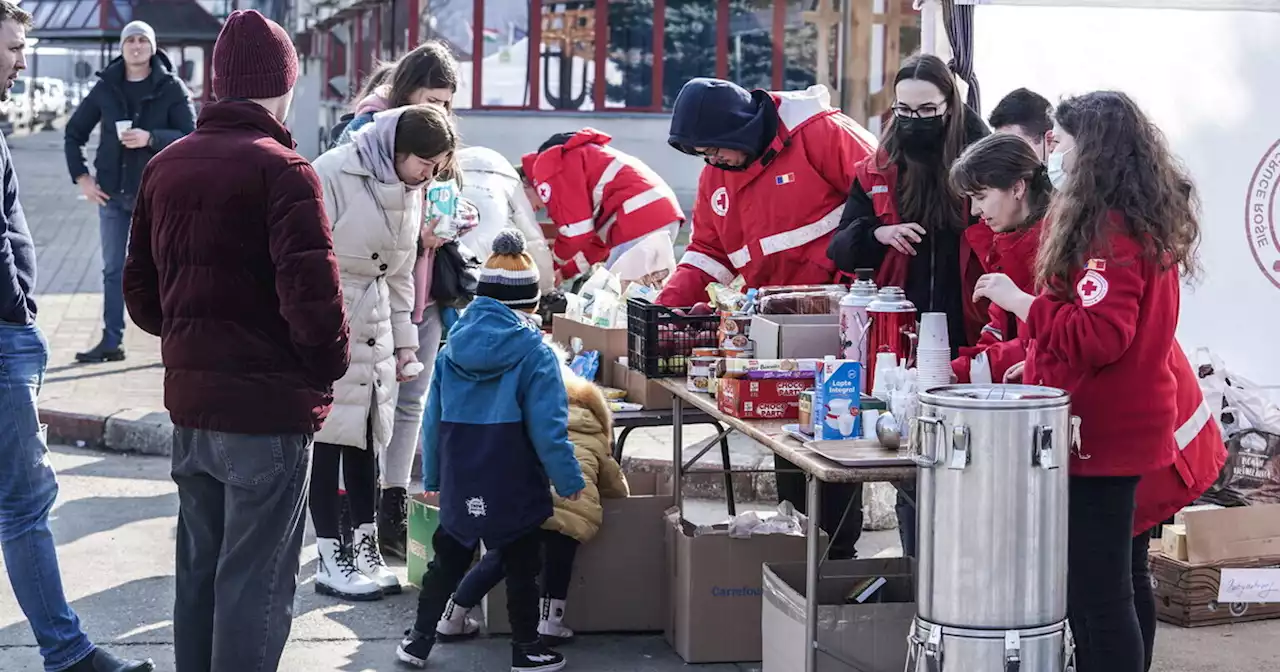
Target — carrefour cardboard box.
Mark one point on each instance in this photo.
(610, 343)
(424, 518)
(716, 589)
(865, 611)
(619, 577)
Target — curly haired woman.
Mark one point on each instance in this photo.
(1121, 234)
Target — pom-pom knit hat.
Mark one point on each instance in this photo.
(510, 275)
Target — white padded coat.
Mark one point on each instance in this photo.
(375, 236)
(492, 185)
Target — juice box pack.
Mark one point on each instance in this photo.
(837, 398)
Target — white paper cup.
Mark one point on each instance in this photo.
(122, 126)
(933, 331)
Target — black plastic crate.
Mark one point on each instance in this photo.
(659, 341)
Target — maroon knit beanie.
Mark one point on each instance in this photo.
(253, 58)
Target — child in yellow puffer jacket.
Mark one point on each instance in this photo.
(572, 523)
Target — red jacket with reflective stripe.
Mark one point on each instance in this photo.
(881, 184)
(1201, 453)
(1108, 347)
(771, 222)
(1014, 254)
(598, 197)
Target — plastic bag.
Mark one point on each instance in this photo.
(1252, 472)
(649, 262)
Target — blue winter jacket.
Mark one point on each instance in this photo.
(496, 427)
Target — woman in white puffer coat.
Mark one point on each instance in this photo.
(373, 192)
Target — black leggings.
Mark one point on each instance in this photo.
(521, 561)
(1100, 595)
(1144, 598)
(360, 478)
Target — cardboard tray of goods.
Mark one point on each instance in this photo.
(1188, 594)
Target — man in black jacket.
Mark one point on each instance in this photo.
(28, 486)
(143, 107)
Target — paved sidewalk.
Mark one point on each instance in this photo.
(77, 399)
(114, 525)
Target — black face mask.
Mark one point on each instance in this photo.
(921, 133)
(731, 168)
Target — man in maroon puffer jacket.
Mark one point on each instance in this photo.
(231, 263)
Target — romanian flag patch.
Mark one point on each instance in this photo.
(786, 179)
(1096, 265)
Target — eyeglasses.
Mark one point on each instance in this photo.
(925, 110)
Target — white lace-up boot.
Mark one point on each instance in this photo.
(338, 576)
(369, 559)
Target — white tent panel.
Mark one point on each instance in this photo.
(1209, 80)
(1210, 5)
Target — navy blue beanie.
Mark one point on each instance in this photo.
(718, 113)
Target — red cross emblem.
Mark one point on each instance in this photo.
(1091, 289)
(720, 201)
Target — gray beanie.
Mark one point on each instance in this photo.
(138, 28)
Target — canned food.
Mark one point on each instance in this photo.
(806, 411)
(735, 331)
(700, 374)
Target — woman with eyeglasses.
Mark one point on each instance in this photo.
(904, 219)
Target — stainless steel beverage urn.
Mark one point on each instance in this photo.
(992, 522)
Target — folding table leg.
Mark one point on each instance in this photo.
(727, 463)
(617, 444)
(812, 567)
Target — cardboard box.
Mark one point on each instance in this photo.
(1235, 533)
(771, 399)
(424, 518)
(794, 336)
(1180, 518)
(610, 343)
(619, 578)
(716, 590)
(1173, 541)
(1191, 595)
(869, 636)
(644, 391)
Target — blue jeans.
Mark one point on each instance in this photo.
(114, 219)
(28, 488)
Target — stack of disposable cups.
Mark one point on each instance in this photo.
(886, 379)
(933, 353)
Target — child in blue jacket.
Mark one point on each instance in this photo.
(494, 439)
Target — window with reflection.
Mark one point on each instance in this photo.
(749, 43)
(629, 74)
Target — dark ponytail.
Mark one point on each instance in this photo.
(1000, 161)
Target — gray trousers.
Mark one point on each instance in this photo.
(242, 511)
(406, 433)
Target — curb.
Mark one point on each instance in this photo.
(148, 432)
(132, 430)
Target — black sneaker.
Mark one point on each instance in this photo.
(535, 657)
(414, 648)
(393, 527)
(102, 660)
(101, 353)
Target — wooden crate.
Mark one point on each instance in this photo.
(1187, 594)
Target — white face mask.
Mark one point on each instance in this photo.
(1058, 174)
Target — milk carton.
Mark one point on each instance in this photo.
(837, 397)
